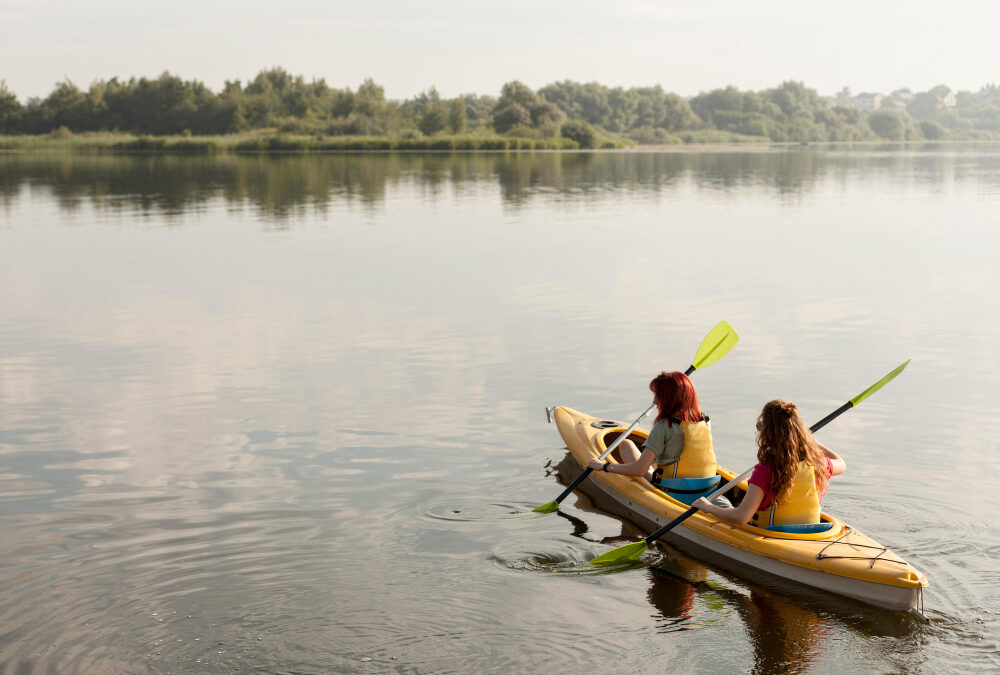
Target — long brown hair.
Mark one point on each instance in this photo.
(675, 397)
(782, 442)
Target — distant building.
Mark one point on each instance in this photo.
(867, 102)
(947, 101)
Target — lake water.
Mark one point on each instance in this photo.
(286, 414)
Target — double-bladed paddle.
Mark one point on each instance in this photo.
(719, 341)
(631, 552)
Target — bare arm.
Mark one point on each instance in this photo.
(637, 468)
(836, 461)
(741, 514)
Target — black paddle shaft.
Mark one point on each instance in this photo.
(691, 511)
(579, 479)
(832, 416)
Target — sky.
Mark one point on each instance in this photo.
(474, 46)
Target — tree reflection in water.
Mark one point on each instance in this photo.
(284, 187)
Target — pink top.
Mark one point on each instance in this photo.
(761, 477)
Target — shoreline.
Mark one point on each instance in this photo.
(120, 144)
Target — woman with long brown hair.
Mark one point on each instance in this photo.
(680, 442)
(791, 476)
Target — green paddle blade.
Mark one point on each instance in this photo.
(622, 554)
(878, 385)
(719, 341)
(547, 507)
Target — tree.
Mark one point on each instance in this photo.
(478, 108)
(923, 105)
(66, 106)
(511, 116)
(672, 112)
(10, 110)
(456, 115)
(516, 92)
(579, 131)
(434, 119)
(418, 105)
(932, 131)
(543, 113)
(370, 99)
(794, 98)
(887, 124)
(707, 104)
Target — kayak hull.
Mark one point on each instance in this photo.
(841, 561)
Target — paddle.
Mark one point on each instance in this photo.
(719, 341)
(630, 552)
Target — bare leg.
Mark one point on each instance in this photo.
(630, 453)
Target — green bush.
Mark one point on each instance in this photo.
(288, 144)
(612, 144)
(250, 145)
(716, 136)
(647, 135)
(932, 131)
(445, 143)
(494, 144)
(264, 143)
(142, 144)
(522, 131)
(511, 116)
(888, 124)
(580, 132)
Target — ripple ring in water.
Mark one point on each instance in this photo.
(473, 511)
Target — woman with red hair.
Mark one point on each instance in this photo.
(680, 442)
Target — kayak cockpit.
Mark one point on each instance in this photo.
(827, 526)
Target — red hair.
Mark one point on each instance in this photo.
(675, 397)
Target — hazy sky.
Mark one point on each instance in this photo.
(469, 46)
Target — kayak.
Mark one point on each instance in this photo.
(839, 560)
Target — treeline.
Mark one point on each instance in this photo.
(588, 115)
(790, 112)
(280, 102)
(937, 113)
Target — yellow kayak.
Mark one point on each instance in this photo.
(840, 560)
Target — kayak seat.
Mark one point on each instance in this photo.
(687, 490)
(808, 528)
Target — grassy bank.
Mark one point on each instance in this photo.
(285, 143)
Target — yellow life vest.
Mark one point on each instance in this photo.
(697, 459)
(799, 506)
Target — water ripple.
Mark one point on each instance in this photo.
(563, 556)
(475, 511)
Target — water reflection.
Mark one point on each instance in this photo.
(285, 187)
(321, 436)
(787, 633)
(789, 628)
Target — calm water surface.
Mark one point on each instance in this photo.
(287, 414)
